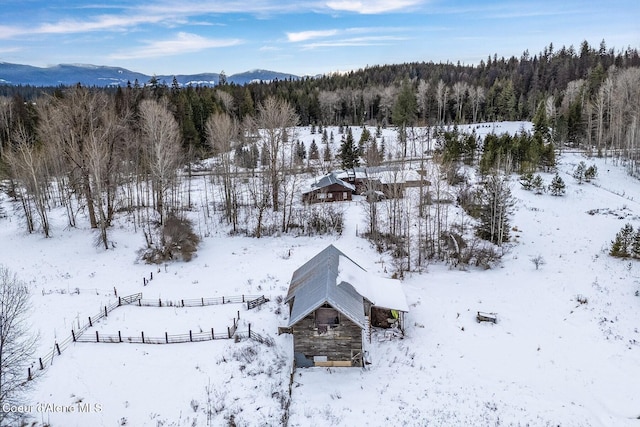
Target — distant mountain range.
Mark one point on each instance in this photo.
(94, 75)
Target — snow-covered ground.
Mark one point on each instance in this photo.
(548, 361)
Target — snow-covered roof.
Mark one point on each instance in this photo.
(386, 175)
(334, 278)
(382, 292)
(326, 181)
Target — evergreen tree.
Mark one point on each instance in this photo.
(621, 246)
(313, 128)
(325, 137)
(526, 180)
(300, 152)
(314, 153)
(495, 207)
(331, 139)
(578, 172)
(590, 173)
(635, 244)
(557, 186)
(538, 184)
(405, 108)
(349, 155)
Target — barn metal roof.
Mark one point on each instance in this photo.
(326, 181)
(314, 284)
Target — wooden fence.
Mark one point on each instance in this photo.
(77, 334)
(201, 302)
(166, 339)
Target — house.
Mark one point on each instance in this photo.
(333, 303)
(390, 181)
(329, 188)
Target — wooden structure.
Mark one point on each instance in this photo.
(389, 181)
(333, 303)
(487, 317)
(329, 188)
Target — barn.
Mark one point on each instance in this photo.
(333, 304)
(328, 188)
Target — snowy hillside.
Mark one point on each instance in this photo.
(550, 360)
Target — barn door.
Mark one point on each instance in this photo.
(356, 357)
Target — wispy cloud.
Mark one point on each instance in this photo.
(100, 23)
(372, 6)
(182, 43)
(356, 41)
(304, 36)
(308, 35)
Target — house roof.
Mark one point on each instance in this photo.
(327, 181)
(334, 278)
(385, 174)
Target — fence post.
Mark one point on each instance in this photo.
(160, 301)
(119, 337)
(119, 301)
(249, 330)
(115, 291)
(190, 336)
(182, 302)
(213, 336)
(140, 302)
(29, 377)
(166, 337)
(106, 313)
(238, 314)
(58, 349)
(243, 298)
(229, 332)
(73, 335)
(41, 365)
(97, 337)
(143, 337)
(222, 299)
(90, 322)
(202, 300)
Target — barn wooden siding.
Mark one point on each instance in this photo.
(338, 344)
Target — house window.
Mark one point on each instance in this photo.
(344, 196)
(321, 195)
(326, 318)
(330, 195)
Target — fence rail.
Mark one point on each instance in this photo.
(201, 302)
(77, 334)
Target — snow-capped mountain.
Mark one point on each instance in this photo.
(94, 75)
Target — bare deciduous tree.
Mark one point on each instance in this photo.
(274, 119)
(161, 134)
(28, 166)
(17, 343)
(221, 131)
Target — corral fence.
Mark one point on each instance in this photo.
(77, 334)
(166, 339)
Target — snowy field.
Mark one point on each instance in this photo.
(548, 361)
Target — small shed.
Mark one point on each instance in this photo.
(328, 188)
(333, 303)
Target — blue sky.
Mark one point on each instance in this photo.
(300, 37)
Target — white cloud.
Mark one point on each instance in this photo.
(372, 6)
(356, 41)
(182, 43)
(307, 35)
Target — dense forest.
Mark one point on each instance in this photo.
(102, 151)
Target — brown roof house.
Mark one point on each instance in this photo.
(329, 188)
(333, 304)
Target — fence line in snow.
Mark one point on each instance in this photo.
(39, 365)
